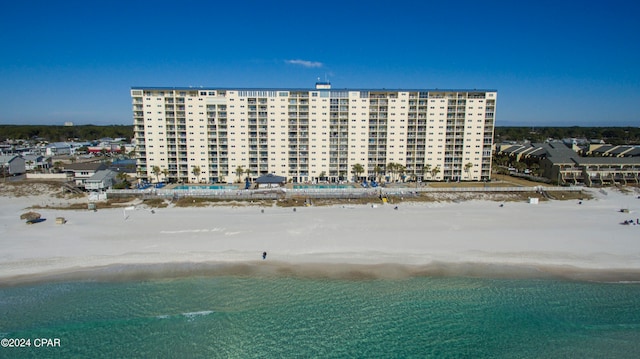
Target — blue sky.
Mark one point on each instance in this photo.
(554, 63)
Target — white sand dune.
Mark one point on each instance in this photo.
(431, 237)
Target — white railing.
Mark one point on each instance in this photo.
(322, 192)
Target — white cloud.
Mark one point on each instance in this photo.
(305, 63)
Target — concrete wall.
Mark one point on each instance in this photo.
(48, 176)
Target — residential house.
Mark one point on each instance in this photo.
(12, 165)
(84, 171)
(100, 181)
(36, 162)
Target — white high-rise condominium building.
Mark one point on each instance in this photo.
(209, 134)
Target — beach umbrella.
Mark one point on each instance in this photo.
(30, 216)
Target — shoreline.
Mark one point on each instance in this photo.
(132, 272)
(555, 239)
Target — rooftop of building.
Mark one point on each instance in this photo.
(85, 166)
(560, 153)
(209, 88)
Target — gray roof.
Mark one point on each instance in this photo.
(58, 145)
(86, 166)
(270, 178)
(538, 152)
(512, 149)
(33, 157)
(559, 153)
(101, 175)
(634, 152)
(619, 149)
(7, 158)
(602, 149)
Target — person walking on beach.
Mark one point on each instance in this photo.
(264, 255)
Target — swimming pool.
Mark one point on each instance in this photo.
(213, 186)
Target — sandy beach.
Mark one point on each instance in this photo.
(476, 238)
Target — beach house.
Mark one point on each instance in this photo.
(11, 165)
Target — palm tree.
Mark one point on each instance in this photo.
(391, 167)
(140, 173)
(196, 172)
(239, 172)
(435, 171)
(165, 173)
(467, 168)
(377, 170)
(427, 169)
(322, 175)
(123, 178)
(248, 172)
(401, 169)
(156, 171)
(357, 170)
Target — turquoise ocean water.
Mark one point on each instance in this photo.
(235, 316)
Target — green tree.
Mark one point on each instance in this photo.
(156, 171)
(122, 176)
(401, 170)
(239, 173)
(357, 170)
(520, 166)
(165, 174)
(391, 170)
(196, 172)
(427, 169)
(535, 168)
(467, 169)
(124, 180)
(376, 171)
(435, 171)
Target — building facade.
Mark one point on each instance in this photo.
(208, 135)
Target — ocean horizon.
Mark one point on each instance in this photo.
(244, 312)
